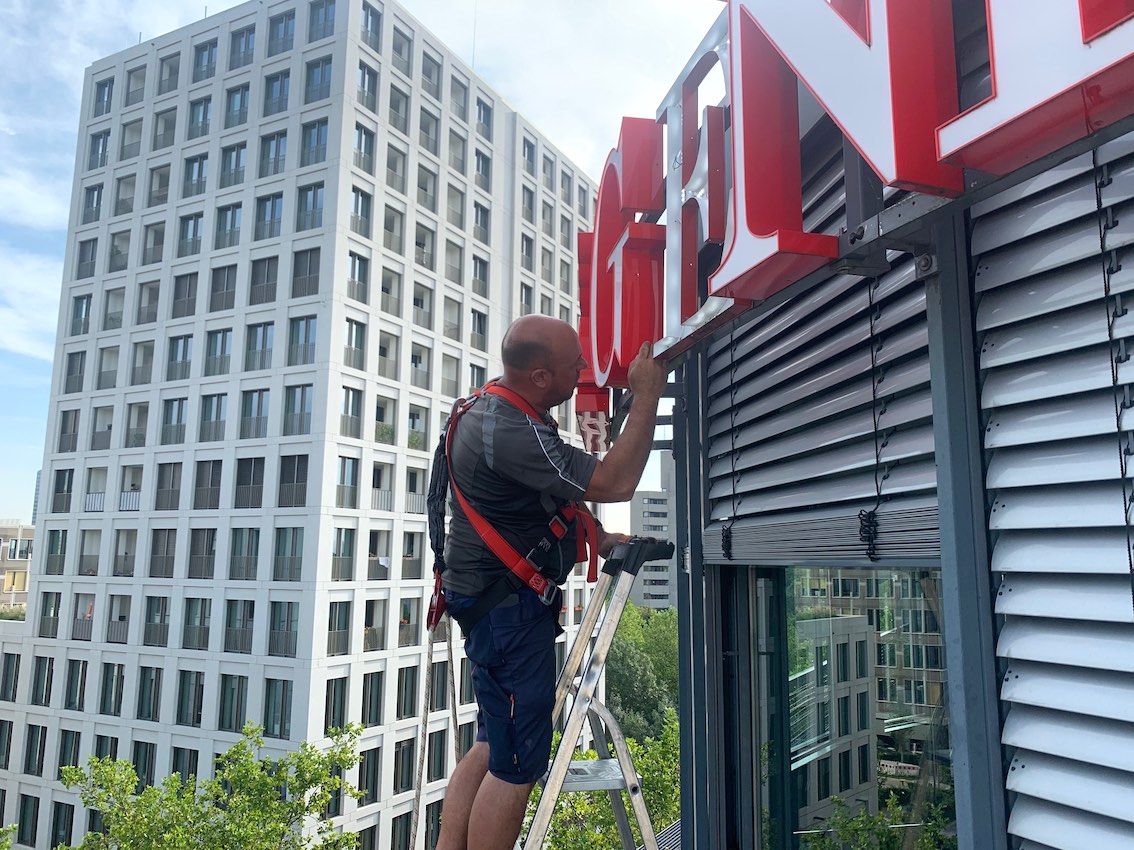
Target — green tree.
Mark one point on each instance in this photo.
(860, 830)
(660, 645)
(633, 693)
(254, 802)
(585, 821)
(6, 834)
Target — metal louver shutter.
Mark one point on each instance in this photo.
(819, 408)
(1054, 271)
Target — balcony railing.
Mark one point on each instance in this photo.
(135, 438)
(338, 642)
(381, 500)
(124, 565)
(257, 358)
(173, 434)
(168, 499)
(308, 219)
(232, 177)
(177, 370)
(155, 634)
(313, 154)
(262, 293)
(346, 496)
(48, 627)
(293, 495)
(350, 426)
(354, 358)
(480, 233)
(483, 180)
(423, 317)
(242, 567)
(211, 430)
(163, 139)
(396, 180)
(484, 130)
(304, 285)
(419, 377)
(167, 84)
(282, 643)
(415, 503)
(235, 117)
(141, 374)
(478, 341)
(480, 286)
(360, 224)
(450, 387)
(378, 568)
(369, 99)
(409, 634)
(118, 261)
(314, 92)
(411, 568)
(270, 165)
(183, 307)
(240, 58)
(112, 320)
(373, 639)
(423, 257)
(384, 432)
(188, 247)
(301, 354)
(147, 313)
(280, 44)
(124, 205)
(358, 290)
(195, 637)
(198, 129)
(269, 229)
(342, 568)
(372, 38)
(135, 95)
(206, 498)
(60, 503)
(249, 496)
(117, 630)
(296, 423)
(55, 563)
(238, 640)
(201, 566)
(287, 568)
(253, 427)
(158, 196)
(362, 160)
(93, 502)
(321, 29)
(129, 151)
(227, 238)
(161, 566)
(415, 440)
(70, 442)
(81, 629)
(204, 71)
(388, 367)
(391, 304)
(85, 268)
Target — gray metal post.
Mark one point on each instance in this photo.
(978, 776)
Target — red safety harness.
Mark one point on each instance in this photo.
(522, 566)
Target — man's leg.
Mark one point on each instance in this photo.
(464, 788)
(498, 814)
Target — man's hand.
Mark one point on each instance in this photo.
(646, 375)
(608, 540)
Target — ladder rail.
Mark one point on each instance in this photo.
(602, 748)
(577, 655)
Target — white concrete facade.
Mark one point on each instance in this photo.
(653, 514)
(283, 570)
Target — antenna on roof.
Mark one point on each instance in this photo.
(475, 5)
(139, 37)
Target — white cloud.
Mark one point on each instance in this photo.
(29, 301)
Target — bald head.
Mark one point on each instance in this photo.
(542, 358)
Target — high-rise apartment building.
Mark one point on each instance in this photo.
(298, 231)
(652, 515)
(15, 555)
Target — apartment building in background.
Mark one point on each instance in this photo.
(15, 555)
(298, 231)
(651, 515)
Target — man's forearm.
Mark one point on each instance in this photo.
(620, 471)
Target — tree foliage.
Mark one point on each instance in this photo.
(6, 834)
(641, 671)
(254, 802)
(585, 821)
(862, 830)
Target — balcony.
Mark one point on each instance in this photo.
(70, 442)
(161, 566)
(483, 181)
(301, 354)
(453, 272)
(287, 568)
(227, 238)
(158, 196)
(350, 426)
(135, 438)
(362, 160)
(381, 500)
(346, 496)
(55, 563)
(415, 503)
(124, 206)
(202, 566)
(293, 495)
(338, 642)
(478, 341)
(373, 639)
(423, 257)
(198, 129)
(147, 313)
(232, 177)
(342, 568)
(378, 568)
(84, 269)
(88, 565)
(262, 293)
(188, 247)
(242, 567)
(129, 151)
(238, 640)
(155, 634)
(112, 320)
(94, 502)
(296, 423)
(396, 180)
(60, 503)
(384, 432)
(183, 307)
(212, 430)
(309, 219)
(369, 99)
(141, 374)
(450, 387)
(354, 358)
(235, 117)
(118, 261)
(409, 634)
(480, 233)
(116, 631)
(415, 440)
(48, 627)
(124, 566)
(388, 367)
(358, 290)
(390, 303)
(282, 643)
(484, 130)
(135, 95)
(313, 155)
(267, 229)
(206, 498)
(304, 285)
(173, 434)
(419, 377)
(480, 286)
(193, 186)
(195, 637)
(168, 499)
(253, 427)
(81, 629)
(373, 39)
(360, 224)
(204, 71)
(249, 496)
(163, 140)
(411, 568)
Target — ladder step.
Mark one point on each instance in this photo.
(595, 775)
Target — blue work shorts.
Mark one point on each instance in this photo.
(512, 650)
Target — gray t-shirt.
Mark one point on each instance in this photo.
(516, 471)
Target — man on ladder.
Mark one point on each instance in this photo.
(518, 488)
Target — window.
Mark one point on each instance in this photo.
(297, 409)
(404, 763)
(276, 87)
(372, 692)
(396, 169)
(458, 97)
(407, 692)
(273, 153)
(180, 358)
(206, 495)
(458, 149)
(309, 213)
(103, 97)
(529, 156)
(253, 425)
(301, 341)
(318, 79)
(369, 776)
(85, 263)
(92, 203)
(305, 269)
(200, 115)
(372, 26)
(424, 240)
(429, 132)
(393, 235)
(75, 690)
(584, 210)
(293, 481)
(232, 712)
(334, 710)
(110, 696)
(169, 68)
(358, 279)
(69, 742)
(314, 143)
(149, 693)
(360, 212)
(242, 45)
(482, 223)
(454, 262)
(277, 708)
(321, 19)
(35, 744)
(478, 331)
(222, 289)
(484, 119)
(27, 829)
(431, 75)
(189, 231)
(548, 173)
(368, 89)
(228, 226)
(399, 111)
(527, 250)
(281, 32)
(427, 188)
(483, 175)
(364, 149)
(403, 51)
(236, 106)
(43, 674)
(183, 762)
(238, 621)
(258, 346)
(204, 60)
(99, 150)
(130, 143)
(354, 349)
(269, 215)
(218, 352)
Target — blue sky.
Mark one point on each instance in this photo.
(574, 69)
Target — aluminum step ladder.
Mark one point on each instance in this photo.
(612, 772)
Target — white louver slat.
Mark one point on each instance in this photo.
(1053, 269)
